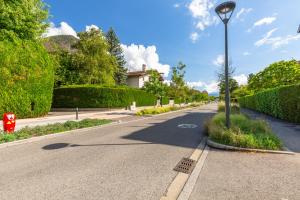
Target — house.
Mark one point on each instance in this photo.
(138, 79)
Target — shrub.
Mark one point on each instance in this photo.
(235, 109)
(244, 132)
(27, 77)
(282, 102)
(50, 129)
(96, 96)
(154, 111)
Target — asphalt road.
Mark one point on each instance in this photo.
(134, 160)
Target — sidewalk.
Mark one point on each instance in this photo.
(253, 176)
(61, 117)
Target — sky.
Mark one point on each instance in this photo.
(160, 33)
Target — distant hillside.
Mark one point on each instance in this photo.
(60, 41)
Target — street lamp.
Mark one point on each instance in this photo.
(225, 11)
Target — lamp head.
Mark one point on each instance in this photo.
(225, 10)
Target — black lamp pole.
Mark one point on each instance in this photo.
(223, 10)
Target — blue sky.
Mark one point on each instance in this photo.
(162, 32)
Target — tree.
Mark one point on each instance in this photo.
(25, 19)
(177, 85)
(155, 85)
(115, 49)
(277, 74)
(92, 61)
(233, 85)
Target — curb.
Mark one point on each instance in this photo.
(232, 148)
(178, 184)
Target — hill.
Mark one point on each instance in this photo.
(60, 41)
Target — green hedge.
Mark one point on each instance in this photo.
(282, 102)
(27, 78)
(93, 96)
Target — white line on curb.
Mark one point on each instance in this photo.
(190, 184)
(177, 185)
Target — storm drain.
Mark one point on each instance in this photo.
(186, 165)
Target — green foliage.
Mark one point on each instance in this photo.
(277, 74)
(241, 92)
(95, 96)
(90, 63)
(26, 83)
(155, 111)
(233, 85)
(51, 129)
(244, 132)
(281, 102)
(178, 88)
(114, 48)
(22, 19)
(155, 86)
(234, 109)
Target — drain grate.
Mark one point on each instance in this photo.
(186, 165)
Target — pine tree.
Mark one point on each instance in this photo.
(115, 50)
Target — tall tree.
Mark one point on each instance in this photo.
(115, 49)
(25, 19)
(92, 60)
(178, 85)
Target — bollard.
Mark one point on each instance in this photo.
(77, 114)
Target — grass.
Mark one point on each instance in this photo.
(155, 111)
(51, 129)
(244, 132)
(159, 110)
(234, 108)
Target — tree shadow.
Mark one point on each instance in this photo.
(167, 133)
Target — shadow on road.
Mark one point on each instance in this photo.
(167, 133)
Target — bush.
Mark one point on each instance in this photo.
(155, 111)
(244, 132)
(282, 102)
(27, 77)
(95, 96)
(235, 109)
(50, 129)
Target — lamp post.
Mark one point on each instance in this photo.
(225, 11)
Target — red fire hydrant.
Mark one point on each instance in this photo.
(9, 122)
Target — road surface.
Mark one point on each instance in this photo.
(133, 160)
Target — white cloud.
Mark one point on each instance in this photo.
(211, 87)
(194, 37)
(63, 29)
(265, 21)
(201, 11)
(219, 61)
(89, 28)
(176, 5)
(246, 53)
(276, 42)
(243, 12)
(267, 39)
(137, 55)
(241, 79)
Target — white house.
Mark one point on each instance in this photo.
(138, 79)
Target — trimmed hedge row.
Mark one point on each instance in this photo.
(282, 102)
(93, 96)
(27, 78)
